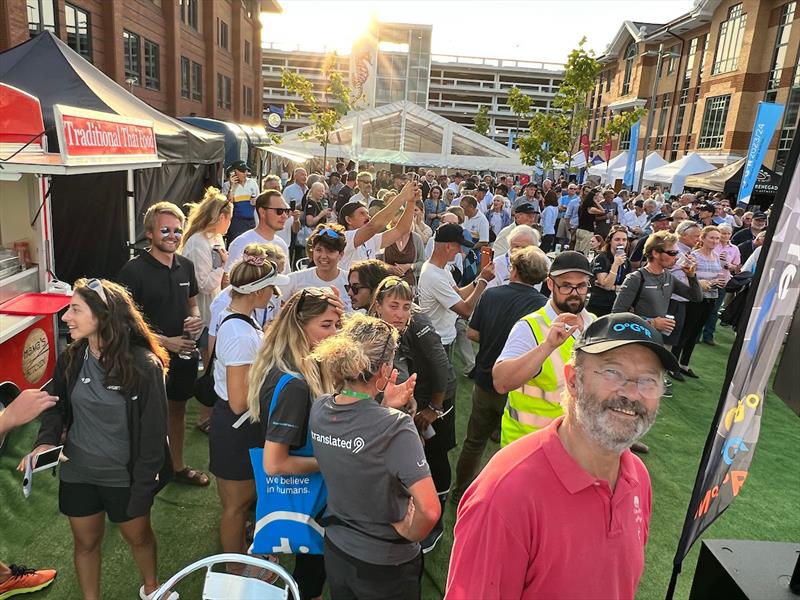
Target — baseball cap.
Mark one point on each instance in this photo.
(570, 262)
(525, 207)
(708, 208)
(469, 185)
(452, 233)
(760, 215)
(347, 210)
(660, 217)
(239, 165)
(482, 187)
(621, 329)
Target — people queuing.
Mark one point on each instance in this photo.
(334, 311)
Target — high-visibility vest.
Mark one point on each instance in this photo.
(536, 403)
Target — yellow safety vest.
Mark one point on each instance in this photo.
(535, 404)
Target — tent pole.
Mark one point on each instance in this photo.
(131, 212)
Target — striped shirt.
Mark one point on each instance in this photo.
(709, 269)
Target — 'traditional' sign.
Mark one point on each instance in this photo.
(87, 135)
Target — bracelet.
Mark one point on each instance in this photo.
(485, 281)
(439, 411)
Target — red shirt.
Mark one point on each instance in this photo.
(534, 524)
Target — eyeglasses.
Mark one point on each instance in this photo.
(355, 287)
(649, 387)
(279, 211)
(669, 252)
(581, 288)
(165, 231)
(97, 287)
(328, 232)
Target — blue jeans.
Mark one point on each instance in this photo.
(711, 325)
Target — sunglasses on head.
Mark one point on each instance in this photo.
(328, 232)
(279, 210)
(670, 252)
(391, 282)
(97, 287)
(165, 231)
(309, 292)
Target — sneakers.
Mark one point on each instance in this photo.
(151, 595)
(24, 580)
(667, 392)
(429, 543)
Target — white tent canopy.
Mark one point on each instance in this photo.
(616, 167)
(616, 161)
(406, 134)
(677, 172)
(578, 161)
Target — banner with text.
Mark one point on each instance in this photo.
(767, 119)
(771, 303)
(630, 166)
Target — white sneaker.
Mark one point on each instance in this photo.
(151, 595)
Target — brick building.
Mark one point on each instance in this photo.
(718, 62)
(183, 57)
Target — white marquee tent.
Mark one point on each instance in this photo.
(601, 169)
(616, 167)
(676, 173)
(403, 133)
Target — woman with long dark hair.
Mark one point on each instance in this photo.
(609, 268)
(113, 404)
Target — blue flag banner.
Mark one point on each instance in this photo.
(767, 119)
(630, 166)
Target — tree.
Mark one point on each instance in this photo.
(521, 105)
(617, 125)
(482, 120)
(324, 121)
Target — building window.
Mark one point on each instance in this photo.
(662, 120)
(690, 59)
(222, 34)
(197, 81)
(789, 122)
(78, 31)
(625, 140)
(247, 100)
(630, 58)
(224, 92)
(41, 16)
(672, 63)
(152, 66)
(188, 9)
(131, 49)
(247, 52)
(712, 131)
(729, 44)
(185, 77)
(779, 54)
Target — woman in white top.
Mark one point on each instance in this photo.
(254, 280)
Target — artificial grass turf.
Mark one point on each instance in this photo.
(185, 519)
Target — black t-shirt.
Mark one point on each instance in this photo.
(343, 197)
(161, 292)
(585, 218)
(289, 421)
(498, 310)
(744, 235)
(602, 264)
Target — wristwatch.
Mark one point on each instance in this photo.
(436, 409)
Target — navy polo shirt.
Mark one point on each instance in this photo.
(161, 292)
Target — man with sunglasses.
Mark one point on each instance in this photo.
(660, 222)
(164, 286)
(327, 249)
(530, 368)
(242, 191)
(273, 212)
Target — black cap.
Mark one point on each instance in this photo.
(525, 207)
(239, 165)
(482, 187)
(621, 329)
(570, 262)
(760, 215)
(660, 217)
(347, 210)
(706, 208)
(639, 203)
(451, 233)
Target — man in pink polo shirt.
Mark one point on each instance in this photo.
(565, 511)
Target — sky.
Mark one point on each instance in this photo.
(529, 30)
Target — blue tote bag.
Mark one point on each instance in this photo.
(287, 504)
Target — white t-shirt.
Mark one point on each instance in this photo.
(367, 250)
(251, 236)
(309, 278)
(437, 294)
(236, 345)
(478, 227)
(520, 339)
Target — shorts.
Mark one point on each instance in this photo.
(86, 499)
(229, 448)
(181, 377)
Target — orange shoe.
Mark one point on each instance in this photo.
(24, 580)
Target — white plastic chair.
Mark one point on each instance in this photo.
(301, 263)
(227, 586)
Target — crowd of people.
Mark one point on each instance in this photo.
(327, 309)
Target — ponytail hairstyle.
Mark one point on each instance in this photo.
(275, 254)
(205, 214)
(120, 327)
(358, 352)
(253, 265)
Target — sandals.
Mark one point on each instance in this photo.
(190, 476)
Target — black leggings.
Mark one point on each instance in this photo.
(696, 316)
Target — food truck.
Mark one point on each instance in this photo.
(31, 297)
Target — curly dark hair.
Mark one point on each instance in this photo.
(120, 327)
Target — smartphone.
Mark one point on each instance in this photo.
(47, 459)
(293, 205)
(487, 256)
(216, 257)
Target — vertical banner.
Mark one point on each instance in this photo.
(607, 151)
(630, 166)
(767, 119)
(585, 146)
(771, 303)
(510, 143)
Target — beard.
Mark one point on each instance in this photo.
(571, 304)
(603, 425)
